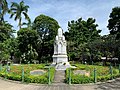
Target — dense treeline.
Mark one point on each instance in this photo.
(34, 43)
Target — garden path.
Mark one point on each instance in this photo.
(59, 77)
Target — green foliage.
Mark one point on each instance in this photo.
(11, 76)
(10, 44)
(102, 74)
(3, 9)
(114, 27)
(47, 29)
(79, 34)
(31, 54)
(106, 46)
(114, 22)
(27, 43)
(7, 41)
(16, 71)
(52, 73)
(18, 10)
(78, 79)
(6, 31)
(82, 31)
(36, 79)
(81, 79)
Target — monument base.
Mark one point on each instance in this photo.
(60, 62)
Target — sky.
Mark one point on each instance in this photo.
(67, 10)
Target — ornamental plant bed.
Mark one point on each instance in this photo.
(15, 73)
(78, 75)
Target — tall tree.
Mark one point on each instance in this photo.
(27, 42)
(47, 29)
(6, 31)
(3, 9)
(17, 10)
(8, 49)
(114, 22)
(80, 33)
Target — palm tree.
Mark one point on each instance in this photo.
(3, 9)
(17, 10)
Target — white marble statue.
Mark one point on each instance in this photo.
(60, 43)
(60, 54)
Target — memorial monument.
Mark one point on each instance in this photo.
(60, 58)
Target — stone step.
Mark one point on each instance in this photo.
(61, 67)
(59, 76)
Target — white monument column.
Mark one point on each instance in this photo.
(60, 58)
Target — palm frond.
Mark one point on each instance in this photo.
(24, 23)
(16, 17)
(14, 4)
(22, 3)
(13, 9)
(12, 15)
(25, 8)
(26, 16)
(18, 10)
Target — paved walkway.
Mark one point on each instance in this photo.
(59, 77)
(112, 85)
(8, 85)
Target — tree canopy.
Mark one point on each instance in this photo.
(27, 42)
(83, 31)
(3, 9)
(79, 34)
(114, 22)
(47, 29)
(26, 37)
(6, 31)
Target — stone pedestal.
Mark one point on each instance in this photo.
(60, 59)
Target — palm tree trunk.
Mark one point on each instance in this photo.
(0, 7)
(20, 23)
(2, 18)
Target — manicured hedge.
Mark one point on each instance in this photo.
(16, 73)
(11, 76)
(103, 74)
